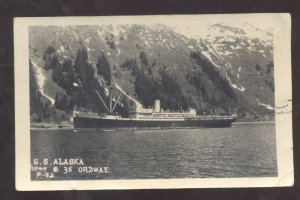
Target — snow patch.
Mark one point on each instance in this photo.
(100, 35)
(88, 40)
(191, 47)
(263, 53)
(106, 91)
(265, 105)
(226, 32)
(147, 44)
(242, 89)
(213, 51)
(226, 53)
(184, 39)
(216, 52)
(209, 58)
(238, 47)
(62, 48)
(41, 82)
(119, 51)
(228, 65)
(226, 39)
(77, 37)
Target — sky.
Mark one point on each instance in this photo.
(197, 26)
(189, 25)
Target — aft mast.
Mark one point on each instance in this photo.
(108, 107)
(110, 99)
(110, 90)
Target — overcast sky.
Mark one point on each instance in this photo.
(197, 25)
(189, 25)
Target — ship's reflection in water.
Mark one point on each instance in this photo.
(239, 151)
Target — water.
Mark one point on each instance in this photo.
(240, 151)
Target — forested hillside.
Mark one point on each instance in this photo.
(226, 70)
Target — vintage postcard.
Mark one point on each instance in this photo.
(142, 102)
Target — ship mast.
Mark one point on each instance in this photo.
(102, 100)
(110, 107)
(110, 90)
(113, 85)
(110, 100)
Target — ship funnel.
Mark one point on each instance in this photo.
(157, 105)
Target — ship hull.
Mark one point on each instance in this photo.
(125, 123)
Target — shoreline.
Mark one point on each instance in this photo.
(48, 126)
(253, 122)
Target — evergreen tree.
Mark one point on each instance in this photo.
(81, 63)
(112, 45)
(130, 65)
(57, 75)
(85, 96)
(144, 59)
(46, 111)
(48, 56)
(258, 67)
(214, 75)
(68, 76)
(56, 104)
(103, 68)
(270, 67)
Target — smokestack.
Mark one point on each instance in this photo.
(157, 105)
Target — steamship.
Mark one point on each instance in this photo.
(147, 118)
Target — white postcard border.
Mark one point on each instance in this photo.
(283, 93)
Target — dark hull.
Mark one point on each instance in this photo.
(102, 123)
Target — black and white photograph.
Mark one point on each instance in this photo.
(133, 102)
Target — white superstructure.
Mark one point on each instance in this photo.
(157, 113)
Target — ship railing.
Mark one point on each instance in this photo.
(216, 117)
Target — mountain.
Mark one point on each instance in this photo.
(224, 67)
(245, 55)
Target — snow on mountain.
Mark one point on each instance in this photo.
(265, 105)
(41, 82)
(207, 55)
(241, 53)
(241, 88)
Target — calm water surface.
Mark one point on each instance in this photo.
(240, 151)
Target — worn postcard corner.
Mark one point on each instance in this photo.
(153, 102)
